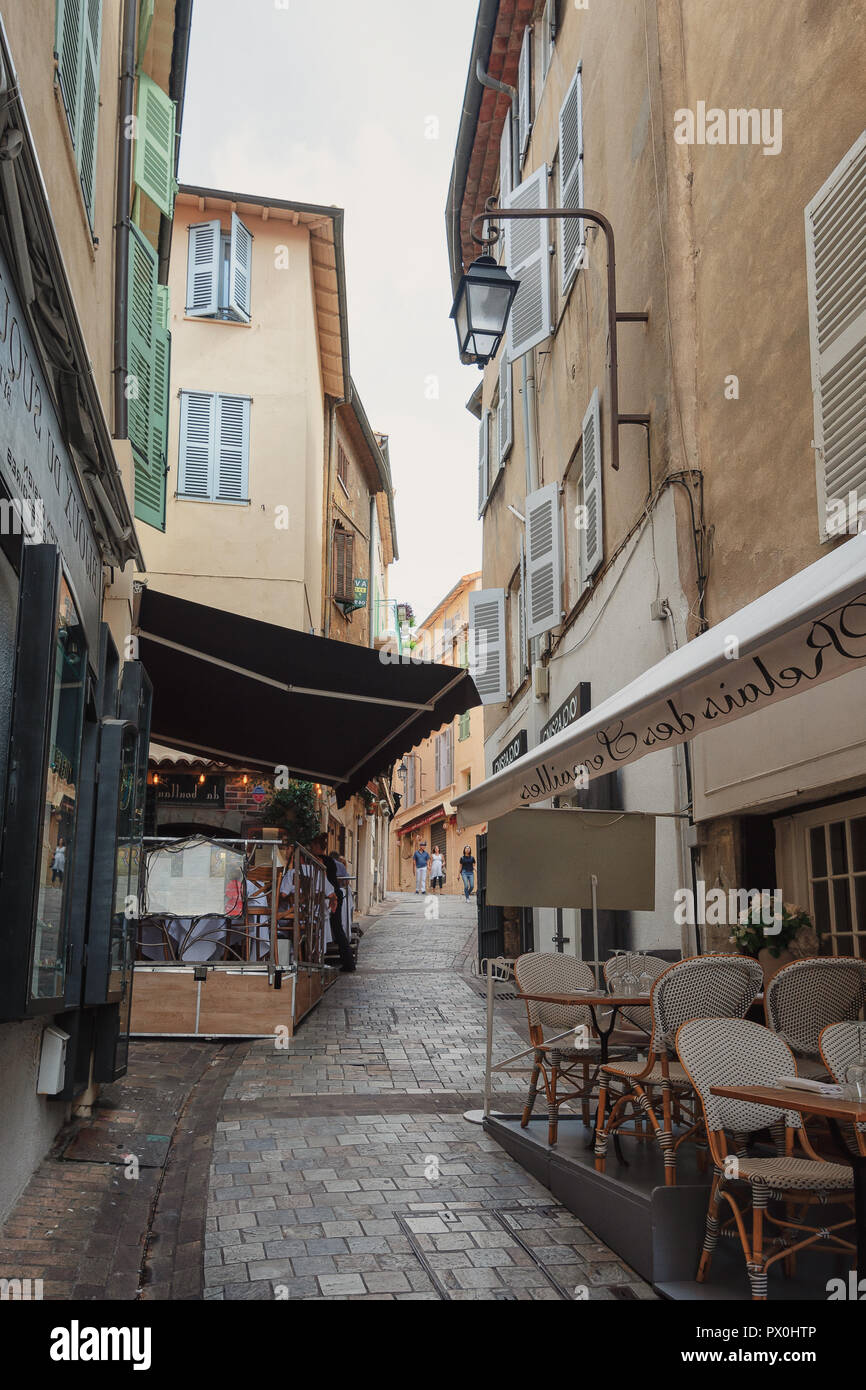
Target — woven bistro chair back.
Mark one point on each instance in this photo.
(735, 1052)
(540, 972)
(843, 1045)
(618, 966)
(808, 995)
(712, 986)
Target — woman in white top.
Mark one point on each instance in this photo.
(437, 871)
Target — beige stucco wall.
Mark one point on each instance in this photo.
(233, 556)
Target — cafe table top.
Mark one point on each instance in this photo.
(791, 1098)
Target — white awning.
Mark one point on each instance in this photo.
(806, 631)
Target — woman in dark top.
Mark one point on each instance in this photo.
(467, 870)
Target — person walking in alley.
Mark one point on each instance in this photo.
(467, 871)
(437, 871)
(421, 859)
(58, 863)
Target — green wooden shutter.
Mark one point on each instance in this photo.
(150, 490)
(147, 377)
(153, 169)
(67, 48)
(145, 20)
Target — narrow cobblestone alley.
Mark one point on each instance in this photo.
(343, 1166)
(336, 1165)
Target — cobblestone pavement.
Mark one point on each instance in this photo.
(343, 1167)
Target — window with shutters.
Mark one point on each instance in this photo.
(584, 528)
(155, 145)
(214, 447)
(78, 41)
(344, 566)
(505, 410)
(483, 461)
(410, 778)
(465, 726)
(148, 355)
(836, 271)
(219, 271)
(343, 466)
(444, 759)
(572, 232)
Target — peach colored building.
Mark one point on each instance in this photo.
(447, 763)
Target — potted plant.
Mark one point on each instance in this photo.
(794, 935)
(293, 808)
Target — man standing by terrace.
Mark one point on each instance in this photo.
(421, 859)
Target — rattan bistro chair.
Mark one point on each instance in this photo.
(737, 1052)
(559, 1062)
(712, 986)
(842, 1046)
(808, 995)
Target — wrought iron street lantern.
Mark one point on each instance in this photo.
(481, 308)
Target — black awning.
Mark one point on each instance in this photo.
(249, 692)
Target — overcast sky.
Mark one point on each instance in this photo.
(336, 103)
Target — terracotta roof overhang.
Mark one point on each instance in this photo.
(325, 225)
(496, 45)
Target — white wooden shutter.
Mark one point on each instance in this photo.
(527, 256)
(524, 90)
(506, 410)
(197, 435)
(449, 755)
(506, 168)
(483, 459)
(548, 37)
(240, 269)
(487, 644)
(836, 267)
(522, 662)
(572, 231)
(437, 761)
(543, 567)
(232, 447)
(203, 269)
(592, 536)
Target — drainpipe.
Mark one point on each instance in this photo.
(329, 539)
(177, 92)
(371, 560)
(121, 220)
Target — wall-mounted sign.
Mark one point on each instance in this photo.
(184, 788)
(577, 704)
(360, 593)
(511, 752)
(259, 794)
(36, 466)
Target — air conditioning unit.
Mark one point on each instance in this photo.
(540, 681)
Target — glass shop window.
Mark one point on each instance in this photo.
(61, 794)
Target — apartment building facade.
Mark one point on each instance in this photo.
(92, 95)
(447, 763)
(737, 346)
(278, 501)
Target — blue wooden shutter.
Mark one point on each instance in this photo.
(203, 269)
(153, 168)
(197, 435)
(240, 269)
(67, 48)
(232, 447)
